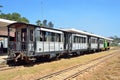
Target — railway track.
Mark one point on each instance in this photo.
(5, 67)
(72, 72)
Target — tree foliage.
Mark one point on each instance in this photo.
(44, 23)
(38, 22)
(50, 24)
(116, 40)
(0, 7)
(14, 16)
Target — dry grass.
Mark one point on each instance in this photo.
(110, 70)
(38, 70)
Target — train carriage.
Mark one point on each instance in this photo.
(92, 42)
(33, 41)
(77, 41)
(101, 44)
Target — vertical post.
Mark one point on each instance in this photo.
(8, 50)
(27, 43)
(98, 41)
(34, 38)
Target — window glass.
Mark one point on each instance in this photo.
(31, 35)
(74, 39)
(48, 36)
(57, 37)
(80, 39)
(42, 36)
(52, 37)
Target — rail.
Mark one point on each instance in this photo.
(75, 69)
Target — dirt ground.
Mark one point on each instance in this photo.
(108, 71)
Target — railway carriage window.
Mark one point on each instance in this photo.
(93, 40)
(23, 34)
(31, 35)
(58, 37)
(42, 36)
(16, 35)
(84, 40)
(77, 39)
(101, 41)
(96, 40)
(47, 36)
(73, 39)
(52, 37)
(38, 35)
(80, 40)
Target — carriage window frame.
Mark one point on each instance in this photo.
(42, 35)
(101, 41)
(79, 39)
(58, 37)
(49, 36)
(31, 35)
(94, 40)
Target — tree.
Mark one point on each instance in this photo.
(14, 16)
(1, 7)
(45, 23)
(116, 40)
(50, 24)
(38, 22)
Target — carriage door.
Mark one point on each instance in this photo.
(23, 39)
(31, 41)
(89, 42)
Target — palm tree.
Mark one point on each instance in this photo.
(50, 24)
(45, 23)
(38, 22)
(1, 7)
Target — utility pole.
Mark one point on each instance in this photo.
(41, 9)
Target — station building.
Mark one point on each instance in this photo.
(4, 33)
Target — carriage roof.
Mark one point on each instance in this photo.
(13, 25)
(86, 33)
(17, 24)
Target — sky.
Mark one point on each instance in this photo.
(101, 17)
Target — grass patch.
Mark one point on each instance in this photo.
(50, 67)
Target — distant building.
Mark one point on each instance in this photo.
(4, 32)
